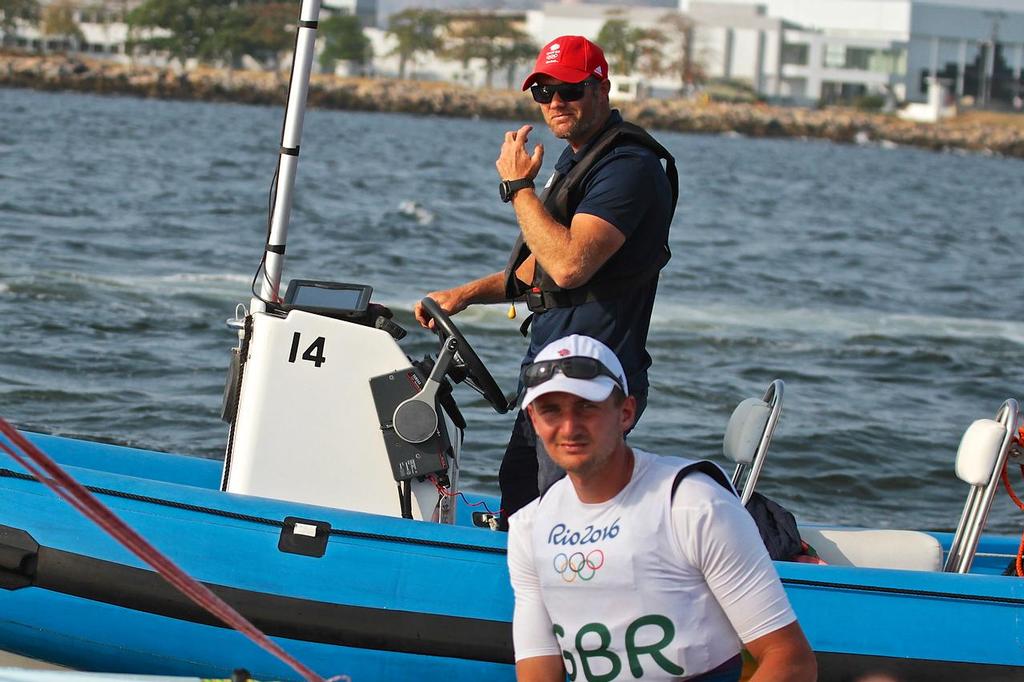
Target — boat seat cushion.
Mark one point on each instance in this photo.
(870, 548)
(745, 429)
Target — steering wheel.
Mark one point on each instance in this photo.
(477, 376)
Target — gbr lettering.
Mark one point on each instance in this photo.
(608, 660)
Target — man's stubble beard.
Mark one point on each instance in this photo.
(578, 129)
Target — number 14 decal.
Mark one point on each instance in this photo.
(314, 353)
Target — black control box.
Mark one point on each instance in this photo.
(408, 460)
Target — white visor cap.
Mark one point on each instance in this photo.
(577, 345)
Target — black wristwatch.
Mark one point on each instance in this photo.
(508, 188)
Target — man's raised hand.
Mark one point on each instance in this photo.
(514, 162)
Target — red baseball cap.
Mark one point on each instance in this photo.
(570, 59)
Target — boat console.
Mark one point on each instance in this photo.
(326, 408)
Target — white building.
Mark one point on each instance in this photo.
(366, 10)
(840, 48)
(806, 51)
(103, 32)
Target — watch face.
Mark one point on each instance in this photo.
(503, 191)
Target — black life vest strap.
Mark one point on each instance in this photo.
(539, 301)
(623, 133)
(705, 467)
(514, 287)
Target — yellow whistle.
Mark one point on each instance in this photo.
(511, 311)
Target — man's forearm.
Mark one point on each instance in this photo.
(783, 656)
(570, 256)
(548, 239)
(489, 289)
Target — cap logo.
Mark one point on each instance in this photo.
(563, 352)
(554, 53)
(598, 71)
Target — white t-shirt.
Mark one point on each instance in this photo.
(644, 584)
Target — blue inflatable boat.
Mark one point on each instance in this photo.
(382, 598)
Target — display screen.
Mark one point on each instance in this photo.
(350, 298)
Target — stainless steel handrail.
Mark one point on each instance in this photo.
(979, 500)
(773, 397)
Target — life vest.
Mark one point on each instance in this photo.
(560, 198)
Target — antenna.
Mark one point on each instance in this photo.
(288, 159)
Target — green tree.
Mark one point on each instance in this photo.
(415, 31)
(515, 54)
(213, 29)
(258, 29)
(344, 40)
(493, 39)
(684, 60)
(632, 49)
(58, 20)
(616, 39)
(13, 11)
(650, 56)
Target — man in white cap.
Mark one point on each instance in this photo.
(636, 566)
(591, 242)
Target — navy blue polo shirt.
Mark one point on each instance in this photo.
(628, 188)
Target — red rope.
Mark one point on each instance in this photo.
(67, 488)
(1016, 500)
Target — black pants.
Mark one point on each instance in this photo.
(518, 475)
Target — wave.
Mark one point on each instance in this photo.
(717, 318)
(204, 277)
(159, 281)
(418, 212)
(832, 322)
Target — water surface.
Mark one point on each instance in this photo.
(882, 285)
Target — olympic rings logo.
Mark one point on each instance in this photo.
(576, 565)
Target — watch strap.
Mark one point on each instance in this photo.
(510, 187)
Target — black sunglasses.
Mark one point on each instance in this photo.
(574, 368)
(569, 92)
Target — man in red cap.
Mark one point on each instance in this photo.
(591, 242)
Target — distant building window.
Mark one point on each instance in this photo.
(835, 57)
(858, 58)
(795, 53)
(836, 93)
(892, 61)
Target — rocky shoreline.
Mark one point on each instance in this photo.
(60, 73)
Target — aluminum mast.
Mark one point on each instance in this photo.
(291, 134)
